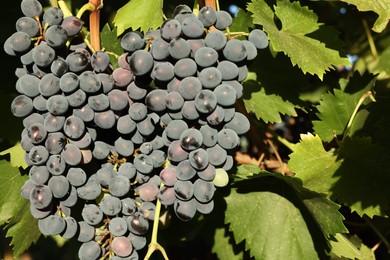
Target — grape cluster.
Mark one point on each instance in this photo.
(112, 141)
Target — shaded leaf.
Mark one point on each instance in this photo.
(309, 54)
(139, 14)
(14, 210)
(331, 37)
(246, 171)
(268, 197)
(335, 110)
(273, 227)
(325, 213)
(111, 44)
(273, 87)
(23, 229)
(242, 22)
(363, 177)
(223, 246)
(381, 7)
(355, 176)
(384, 61)
(267, 107)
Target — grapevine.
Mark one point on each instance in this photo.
(158, 129)
(195, 130)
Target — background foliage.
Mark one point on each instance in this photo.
(312, 180)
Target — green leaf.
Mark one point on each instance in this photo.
(363, 177)
(14, 210)
(322, 209)
(17, 156)
(10, 183)
(272, 226)
(384, 61)
(350, 248)
(110, 43)
(325, 213)
(23, 229)
(336, 109)
(381, 7)
(355, 176)
(266, 106)
(313, 165)
(376, 119)
(223, 246)
(242, 22)
(309, 54)
(331, 37)
(272, 87)
(273, 202)
(246, 171)
(139, 14)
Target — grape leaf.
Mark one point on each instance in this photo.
(331, 37)
(329, 220)
(242, 22)
(309, 54)
(381, 7)
(14, 210)
(272, 87)
(363, 177)
(111, 44)
(355, 175)
(139, 14)
(336, 109)
(266, 106)
(384, 61)
(376, 119)
(17, 156)
(344, 247)
(313, 165)
(291, 208)
(325, 213)
(273, 227)
(10, 183)
(246, 171)
(223, 247)
(23, 229)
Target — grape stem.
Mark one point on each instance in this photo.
(94, 23)
(374, 52)
(64, 8)
(235, 34)
(281, 140)
(368, 94)
(212, 3)
(54, 3)
(195, 10)
(282, 167)
(112, 54)
(87, 7)
(154, 245)
(87, 42)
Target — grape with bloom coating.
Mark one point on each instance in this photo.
(113, 139)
